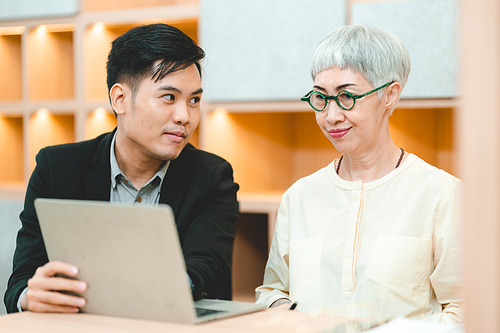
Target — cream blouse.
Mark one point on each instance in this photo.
(378, 250)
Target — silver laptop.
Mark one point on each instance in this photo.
(131, 259)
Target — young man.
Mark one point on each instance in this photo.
(154, 82)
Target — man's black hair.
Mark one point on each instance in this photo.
(133, 55)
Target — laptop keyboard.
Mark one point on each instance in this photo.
(200, 312)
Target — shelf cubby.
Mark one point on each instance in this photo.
(428, 133)
(268, 150)
(50, 63)
(11, 150)
(98, 122)
(10, 68)
(47, 129)
(97, 44)
(249, 256)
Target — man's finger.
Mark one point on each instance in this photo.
(38, 297)
(56, 267)
(56, 283)
(43, 307)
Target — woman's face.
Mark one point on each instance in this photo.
(364, 126)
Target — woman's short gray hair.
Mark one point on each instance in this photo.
(374, 52)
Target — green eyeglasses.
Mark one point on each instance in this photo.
(345, 100)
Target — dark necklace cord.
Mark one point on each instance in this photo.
(397, 164)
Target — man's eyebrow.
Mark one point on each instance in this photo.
(338, 88)
(169, 88)
(177, 90)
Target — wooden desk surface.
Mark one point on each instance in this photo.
(274, 321)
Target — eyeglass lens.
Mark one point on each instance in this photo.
(319, 101)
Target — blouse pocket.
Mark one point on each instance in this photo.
(399, 273)
(401, 259)
(305, 258)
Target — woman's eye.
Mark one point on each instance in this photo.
(345, 96)
(317, 97)
(169, 97)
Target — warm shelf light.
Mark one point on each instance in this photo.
(219, 112)
(100, 114)
(219, 117)
(99, 121)
(41, 30)
(54, 28)
(42, 114)
(98, 27)
(7, 31)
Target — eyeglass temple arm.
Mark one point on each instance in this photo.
(372, 91)
(306, 96)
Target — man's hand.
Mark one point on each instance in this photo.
(42, 294)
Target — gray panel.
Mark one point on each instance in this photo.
(9, 225)
(430, 31)
(22, 9)
(260, 50)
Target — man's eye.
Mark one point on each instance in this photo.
(169, 97)
(195, 100)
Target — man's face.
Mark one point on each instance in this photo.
(158, 123)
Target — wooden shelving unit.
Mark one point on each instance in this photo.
(53, 90)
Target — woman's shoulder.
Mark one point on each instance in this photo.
(422, 170)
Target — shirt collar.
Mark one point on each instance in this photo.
(115, 169)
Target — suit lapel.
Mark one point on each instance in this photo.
(98, 174)
(175, 185)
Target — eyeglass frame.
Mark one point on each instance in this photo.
(307, 97)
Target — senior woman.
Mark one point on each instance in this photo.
(377, 232)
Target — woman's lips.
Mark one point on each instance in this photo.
(339, 132)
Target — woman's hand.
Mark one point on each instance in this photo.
(281, 304)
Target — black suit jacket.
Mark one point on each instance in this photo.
(198, 186)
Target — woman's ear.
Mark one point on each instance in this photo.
(393, 91)
(119, 95)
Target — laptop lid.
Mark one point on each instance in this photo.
(129, 256)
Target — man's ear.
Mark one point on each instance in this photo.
(119, 95)
(393, 91)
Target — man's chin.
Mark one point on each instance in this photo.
(169, 155)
